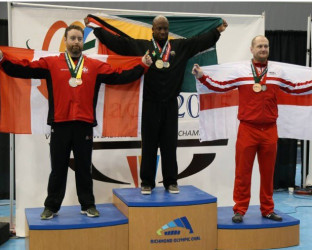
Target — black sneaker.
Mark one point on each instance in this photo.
(47, 214)
(146, 190)
(273, 216)
(237, 218)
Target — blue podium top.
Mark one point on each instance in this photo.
(69, 217)
(252, 219)
(189, 195)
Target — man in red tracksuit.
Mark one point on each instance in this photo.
(257, 133)
(73, 81)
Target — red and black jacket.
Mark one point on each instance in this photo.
(65, 102)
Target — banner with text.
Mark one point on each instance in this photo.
(209, 166)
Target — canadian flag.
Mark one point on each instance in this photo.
(24, 102)
(218, 109)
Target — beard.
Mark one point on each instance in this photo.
(75, 50)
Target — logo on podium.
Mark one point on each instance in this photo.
(170, 232)
(167, 229)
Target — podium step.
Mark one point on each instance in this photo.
(72, 230)
(256, 232)
(189, 195)
(187, 220)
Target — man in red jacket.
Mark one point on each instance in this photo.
(257, 133)
(73, 81)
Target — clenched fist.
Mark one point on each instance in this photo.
(197, 71)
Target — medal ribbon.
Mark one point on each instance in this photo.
(166, 55)
(159, 51)
(257, 77)
(75, 70)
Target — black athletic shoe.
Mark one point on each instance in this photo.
(146, 190)
(173, 189)
(273, 216)
(237, 218)
(47, 214)
(91, 212)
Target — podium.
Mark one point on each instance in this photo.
(187, 220)
(256, 232)
(72, 231)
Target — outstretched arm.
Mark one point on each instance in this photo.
(217, 86)
(23, 68)
(118, 76)
(118, 41)
(292, 79)
(202, 42)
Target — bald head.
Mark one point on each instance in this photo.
(260, 49)
(160, 19)
(160, 28)
(256, 38)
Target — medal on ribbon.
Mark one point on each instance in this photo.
(162, 54)
(72, 82)
(166, 64)
(257, 87)
(75, 70)
(159, 64)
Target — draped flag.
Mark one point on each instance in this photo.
(139, 27)
(24, 103)
(43, 29)
(218, 109)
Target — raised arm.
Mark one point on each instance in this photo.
(121, 44)
(23, 68)
(204, 41)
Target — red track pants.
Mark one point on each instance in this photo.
(251, 140)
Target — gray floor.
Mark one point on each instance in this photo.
(298, 206)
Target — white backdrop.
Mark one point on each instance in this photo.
(32, 151)
(308, 166)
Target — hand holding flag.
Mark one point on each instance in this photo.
(223, 26)
(90, 24)
(197, 71)
(87, 23)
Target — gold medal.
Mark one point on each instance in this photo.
(263, 87)
(166, 64)
(159, 64)
(78, 81)
(256, 87)
(72, 82)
